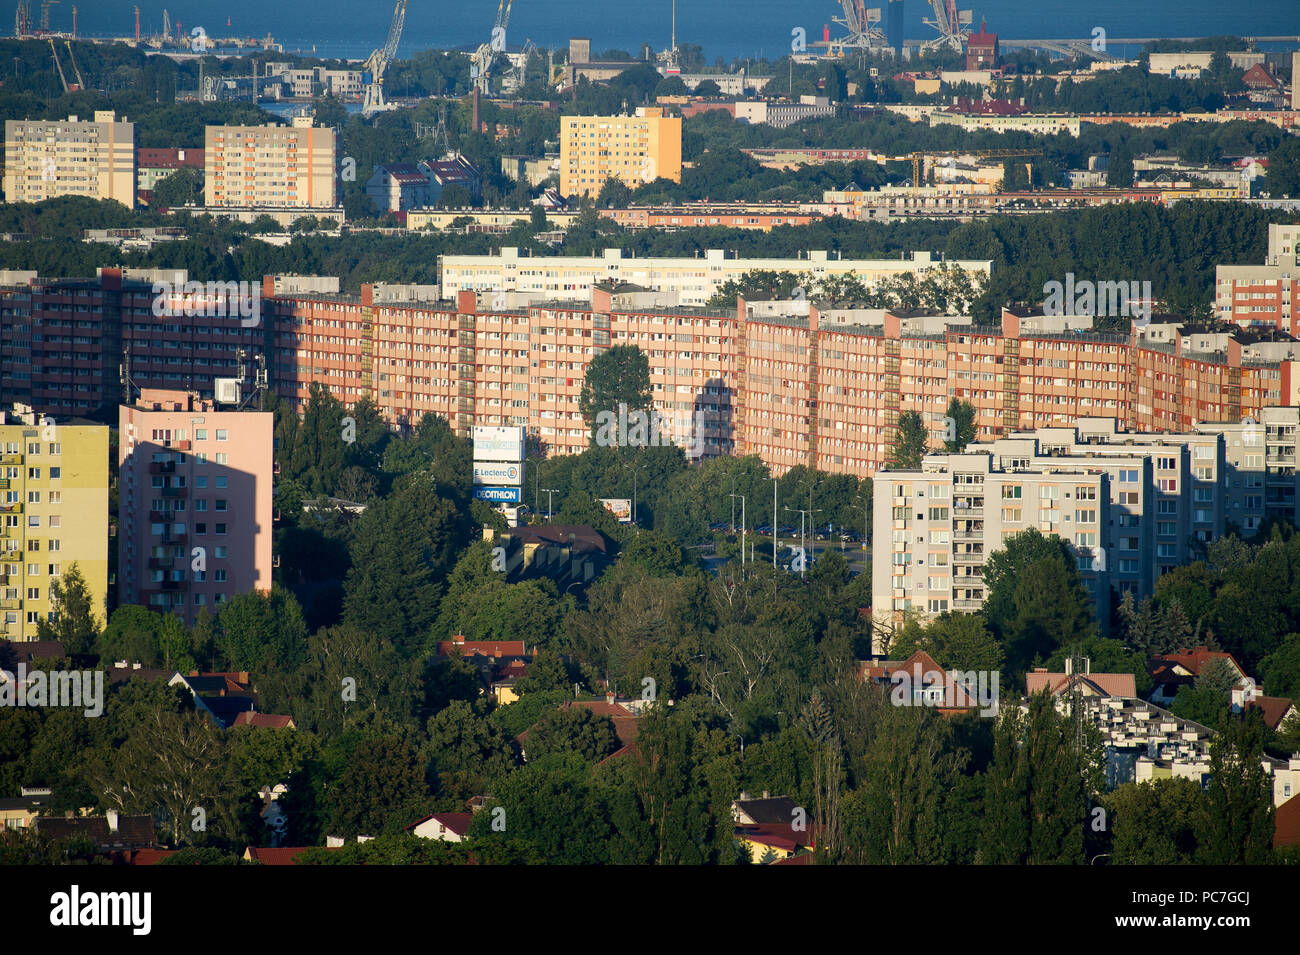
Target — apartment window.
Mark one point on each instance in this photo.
(222, 434)
(201, 528)
(1169, 484)
(1086, 493)
(1128, 477)
(56, 520)
(1011, 492)
(33, 497)
(1086, 539)
(1129, 498)
(54, 570)
(56, 497)
(33, 474)
(221, 459)
(221, 478)
(938, 606)
(221, 504)
(33, 593)
(1166, 464)
(200, 505)
(221, 528)
(33, 570)
(56, 474)
(1166, 550)
(56, 447)
(937, 583)
(54, 542)
(34, 447)
(1166, 529)
(200, 434)
(201, 481)
(219, 551)
(1086, 517)
(219, 575)
(938, 537)
(1128, 565)
(1012, 515)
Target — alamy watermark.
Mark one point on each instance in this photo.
(1100, 299)
(954, 689)
(209, 300)
(64, 688)
(637, 429)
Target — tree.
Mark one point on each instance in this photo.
(1283, 177)
(139, 635)
(962, 430)
(75, 623)
(182, 188)
(616, 376)
(1034, 798)
(1154, 823)
(573, 729)
(957, 641)
(896, 817)
(382, 790)
(1236, 822)
(466, 751)
(911, 443)
(262, 630)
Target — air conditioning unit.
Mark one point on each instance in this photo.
(229, 391)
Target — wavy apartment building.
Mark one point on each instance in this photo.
(53, 514)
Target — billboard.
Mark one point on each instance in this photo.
(620, 507)
(498, 444)
(497, 472)
(499, 495)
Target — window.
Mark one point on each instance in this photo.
(1128, 477)
(200, 528)
(33, 570)
(221, 478)
(54, 543)
(219, 575)
(201, 481)
(1129, 498)
(222, 434)
(200, 505)
(1086, 517)
(1169, 484)
(936, 513)
(221, 528)
(33, 474)
(56, 474)
(56, 520)
(1166, 464)
(1086, 539)
(1086, 493)
(1166, 529)
(56, 497)
(1011, 492)
(221, 504)
(221, 459)
(200, 434)
(33, 497)
(219, 550)
(1012, 515)
(54, 570)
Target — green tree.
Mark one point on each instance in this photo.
(1034, 797)
(911, 443)
(466, 751)
(1236, 822)
(1154, 823)
(616, 376)
(262, 630)
(963, 429)
(382, 790)
(75, 623)
(573, 729)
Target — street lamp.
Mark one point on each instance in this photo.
(742, 524)
(635, 471)
(549, 492)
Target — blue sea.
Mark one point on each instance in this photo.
(724, 28)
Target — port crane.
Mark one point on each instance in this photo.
(378, 62)
(861, 24)
(67, 87)
(480, 65)
(953, 26)
(81, 84)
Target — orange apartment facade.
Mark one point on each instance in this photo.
(782, 380)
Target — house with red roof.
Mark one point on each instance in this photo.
(443, 826)
(286, 855)
(982, 50)
(1089, 683)
(1171, 671)
(920, 681)
(452, 170)
(399, 186)
(624, 714)
(269, 721)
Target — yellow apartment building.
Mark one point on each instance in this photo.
(45, 159)
(53, 514)
(633, 149)
(270, 166)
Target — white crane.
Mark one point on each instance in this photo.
(378, 62)
(480, 67)
(953, 26)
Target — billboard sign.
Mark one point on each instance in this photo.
(498, 495)
(497, 472)
(499, 444)
(620, 507)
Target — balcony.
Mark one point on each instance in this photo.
(162, 467)
(966, 604)
(181, 492)
(969, 533)
(161, 563)
(15, 508)
(159, 517)
(170, 538)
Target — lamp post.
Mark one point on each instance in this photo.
(635, 473)
(742, 524)
(549, 499)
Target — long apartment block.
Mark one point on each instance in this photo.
(1264, 296)
(791, 381)
(195, 502)
(54, 476)
(1132, 505)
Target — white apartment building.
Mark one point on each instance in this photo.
(694, 279)
(45, 159)
(1132, 506)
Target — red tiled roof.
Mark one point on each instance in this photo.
(457, 822)
(481, 648)
(778, 835)
(1192, 660)
(264, 721)
(918, 668)
(1109, 684)
(1259, 78)
(149, 856)
(1275, 708)
(405, 172)
(283, 856)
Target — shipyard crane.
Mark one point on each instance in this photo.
(45, 14)
(23, 19)
(59, 66)
(378, 62)
(480, 67)
(953, 26)
(860, 22)
(81, 84)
